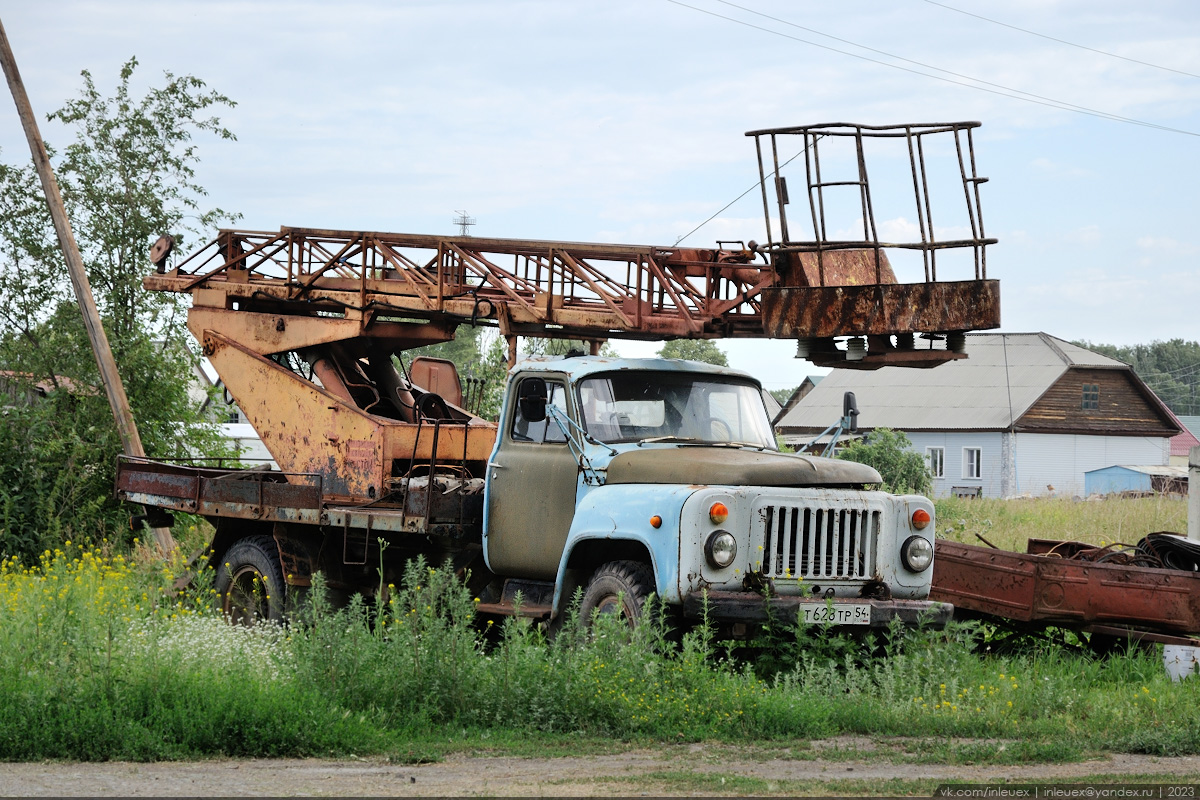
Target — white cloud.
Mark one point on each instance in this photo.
(1087, 235)
(1166, 245)
(624, 121)
(1057, 170)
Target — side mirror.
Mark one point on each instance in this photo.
(532, 398)
(850, 411)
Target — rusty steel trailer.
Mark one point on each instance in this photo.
(1048, 587)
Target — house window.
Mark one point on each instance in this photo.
(972, 462)
(936, 458)
(1091, 397)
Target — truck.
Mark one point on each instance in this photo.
(617, 478)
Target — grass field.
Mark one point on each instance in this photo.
(100, 659)
(1008, 524)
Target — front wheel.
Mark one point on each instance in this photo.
(618, 587)
(250, 582)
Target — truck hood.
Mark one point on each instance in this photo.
(726, 466)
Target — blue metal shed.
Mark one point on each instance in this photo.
(1115, 479)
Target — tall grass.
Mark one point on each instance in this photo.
(101, 659)
(1009, 524)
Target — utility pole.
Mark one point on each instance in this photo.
(109, 376)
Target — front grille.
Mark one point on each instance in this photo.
(827, 543)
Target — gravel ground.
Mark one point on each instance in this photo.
(462, 775)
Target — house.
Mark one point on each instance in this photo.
(23, 388)
(1024, 413)
(801, 392)
(1185, 440)
(772, 405)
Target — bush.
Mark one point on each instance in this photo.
(888, 451)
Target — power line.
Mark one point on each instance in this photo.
(1185, 370)
(924, 65)
(753, 186)
(1015, 94)
(1061, 41)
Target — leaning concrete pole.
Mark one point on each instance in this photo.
(83, 291)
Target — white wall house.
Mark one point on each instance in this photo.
(1023, 414)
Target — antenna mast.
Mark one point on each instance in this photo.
(464, 222)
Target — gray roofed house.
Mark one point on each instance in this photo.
(800, 392)
(773, 407)
(1024, 413)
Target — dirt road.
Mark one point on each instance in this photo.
(695, 769)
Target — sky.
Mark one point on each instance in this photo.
(624, 121)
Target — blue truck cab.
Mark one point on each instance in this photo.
(631, 477)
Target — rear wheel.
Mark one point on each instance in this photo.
(250, 582)
(618, 587)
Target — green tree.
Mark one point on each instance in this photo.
(128, 177)
(479, 355)
(704, 350)
(482, 354)
(890, 452)
(783, 395)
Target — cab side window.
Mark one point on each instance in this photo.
(547, 430)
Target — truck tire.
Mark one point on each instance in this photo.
(250, 582)
(618, 587)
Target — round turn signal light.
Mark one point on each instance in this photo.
(718, 513)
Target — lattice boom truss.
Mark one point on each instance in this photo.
(541, 288)
(533, 288)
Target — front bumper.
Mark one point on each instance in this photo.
(742, 607)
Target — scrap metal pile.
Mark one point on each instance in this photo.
(1160, 550)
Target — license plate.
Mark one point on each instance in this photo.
(837, 613)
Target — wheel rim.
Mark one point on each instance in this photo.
(613, 604)
(248, 599)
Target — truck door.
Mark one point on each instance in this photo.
(531, 492)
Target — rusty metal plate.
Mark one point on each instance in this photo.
(231, 491)
(916, 359)
(289, 496)
(828, 311)
(1059, 591)
(150, 481)
(835, 268)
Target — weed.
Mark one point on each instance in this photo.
(101, 658)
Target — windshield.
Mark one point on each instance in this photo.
(635, 406)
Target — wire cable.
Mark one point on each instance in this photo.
(1061, 41)
(753, 186)
(1003, 91)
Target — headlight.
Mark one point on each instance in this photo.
(720, 549)
(916, 553)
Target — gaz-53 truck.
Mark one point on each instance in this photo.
(618, 477)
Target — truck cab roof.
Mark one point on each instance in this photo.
(577, 367)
